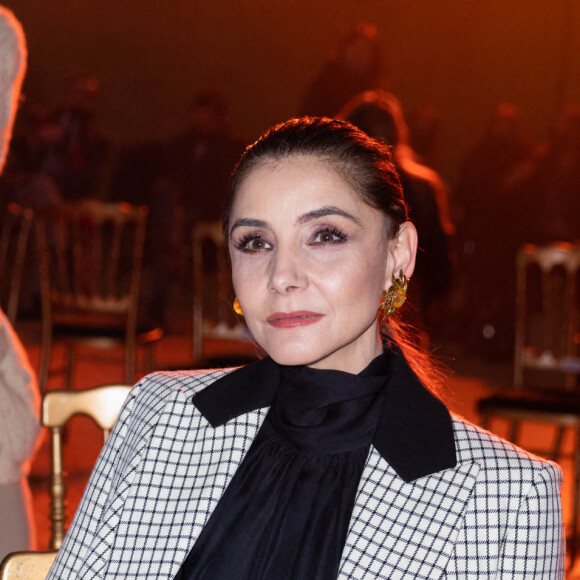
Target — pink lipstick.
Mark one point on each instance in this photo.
(293, 319)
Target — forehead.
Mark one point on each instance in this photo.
(297, 183)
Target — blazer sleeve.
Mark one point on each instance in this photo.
(112, 469)
(534, 543)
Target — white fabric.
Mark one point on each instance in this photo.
(12, 68)
(19, 406)
(495, 515)
(17, 531)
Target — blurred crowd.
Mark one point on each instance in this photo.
(508, 190)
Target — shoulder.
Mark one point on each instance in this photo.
(165, 391)
(160, 402)
(158, 389)
(189, 382)
(499, 459)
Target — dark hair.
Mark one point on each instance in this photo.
(366, 165)
(363, 162)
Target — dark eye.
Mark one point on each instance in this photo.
(252, 243)
(257, 244)
(329, 236)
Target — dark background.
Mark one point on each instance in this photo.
(464, 57)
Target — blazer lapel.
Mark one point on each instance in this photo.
(181, 479)
(405, 530)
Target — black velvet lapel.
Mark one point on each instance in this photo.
(246, 389)
(415, 431)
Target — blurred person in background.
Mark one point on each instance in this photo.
(488, 216)
(19, 396)
(199, 160)
(25, 179)
(354, 66)
(78, 147)
(61, 153)
(192, 187)
(379, 114)
(424, 127)
(547, 190)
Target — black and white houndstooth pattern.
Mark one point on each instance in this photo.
(495, 515)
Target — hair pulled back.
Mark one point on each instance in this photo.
(364, 163)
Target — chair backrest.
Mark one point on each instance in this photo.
(102, 404)
(547, 311)
(15, 225)
(213, 294)
(91, 255)
(27, 565)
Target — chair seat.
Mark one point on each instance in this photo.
(89, 321)
(104, 336)
(29, 565)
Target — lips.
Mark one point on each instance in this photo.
(293, 319)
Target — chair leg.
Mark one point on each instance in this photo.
(514, 429)
(149, 359)
(57, 492)
(130, 362)
(46, 351)
(558, 443)
(485, 420)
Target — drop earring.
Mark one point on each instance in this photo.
(237, 307)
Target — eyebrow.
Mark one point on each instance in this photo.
(324, 211)
(305, 218)
(250, 223)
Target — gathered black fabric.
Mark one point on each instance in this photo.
(286, 512)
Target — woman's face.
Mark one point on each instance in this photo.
(309, 261)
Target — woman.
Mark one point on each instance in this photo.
(330, 458)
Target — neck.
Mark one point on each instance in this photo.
(354, 357)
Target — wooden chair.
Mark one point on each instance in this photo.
(15, 225)
(547, 354)
(91, 257)
(213, 315)
(27, 565)
(102, 404)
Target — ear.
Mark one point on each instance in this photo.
(403, 251)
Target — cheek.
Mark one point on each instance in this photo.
(354, 279)
(249, 284)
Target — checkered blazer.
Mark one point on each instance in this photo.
(496, 514)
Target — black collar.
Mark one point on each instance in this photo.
(415, 431)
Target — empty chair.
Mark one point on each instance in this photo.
(547, 353)
(102, 404)
(27, 565)
(213, 315)
(15, 225)
(91, 257)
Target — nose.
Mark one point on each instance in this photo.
(287, 273)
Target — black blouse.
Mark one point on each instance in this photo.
(285, 513)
